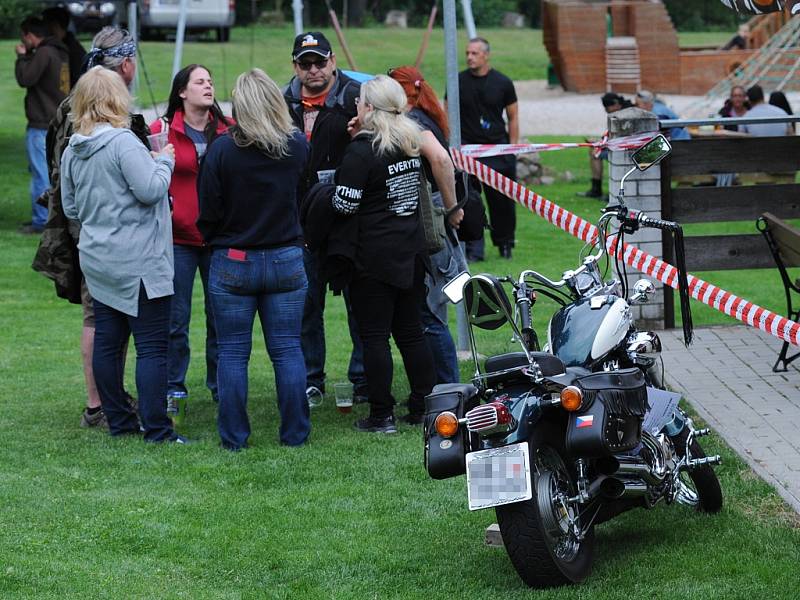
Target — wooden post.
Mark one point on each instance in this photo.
(340, 35)
(426, 38)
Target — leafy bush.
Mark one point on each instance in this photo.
(12, 12)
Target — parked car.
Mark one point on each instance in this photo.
(202, 15)
(93, 15)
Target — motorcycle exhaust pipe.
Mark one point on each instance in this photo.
(613, 488)
(628, 467)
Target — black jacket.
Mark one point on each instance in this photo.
(332, 236)
(329, 137)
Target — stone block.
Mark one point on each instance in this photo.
(513, 20)
(396, 18)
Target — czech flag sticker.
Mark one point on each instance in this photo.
(586, 421)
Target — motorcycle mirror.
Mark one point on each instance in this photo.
(454, 289)
(651, 153)
(642, 290)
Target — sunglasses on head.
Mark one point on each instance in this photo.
(306, 65)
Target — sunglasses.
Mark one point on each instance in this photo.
(307, 65)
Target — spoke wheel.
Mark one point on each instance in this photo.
(541, 535)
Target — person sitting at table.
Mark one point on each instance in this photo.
(736, 105)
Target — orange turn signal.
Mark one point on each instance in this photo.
(446, 424)
(571, 398)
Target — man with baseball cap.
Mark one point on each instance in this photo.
(322, 100)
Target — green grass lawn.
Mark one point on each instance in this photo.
(349, 515)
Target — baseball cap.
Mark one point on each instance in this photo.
(311, 41)
(646, 96)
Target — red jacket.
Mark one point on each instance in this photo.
(183, 187)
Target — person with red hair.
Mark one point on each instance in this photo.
(425, 109)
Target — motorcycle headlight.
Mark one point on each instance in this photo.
(107, 8)
(76, 8)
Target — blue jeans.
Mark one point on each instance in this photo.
(37, 166)
(187, 261)
(272, 283)
(150, 331)
(445, 265)
(313, 336)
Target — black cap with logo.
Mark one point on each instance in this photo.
(312, 41)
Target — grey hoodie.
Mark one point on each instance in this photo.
(118, 192)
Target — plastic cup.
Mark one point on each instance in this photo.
(344, 397)
(314, 397)
(158, 140)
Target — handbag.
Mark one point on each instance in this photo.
(432, 217)
(469, 198)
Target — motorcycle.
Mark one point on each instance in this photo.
(561, 440)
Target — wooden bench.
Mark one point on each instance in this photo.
(697, 158)
(784, 244)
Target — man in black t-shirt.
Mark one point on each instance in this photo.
(484, 95)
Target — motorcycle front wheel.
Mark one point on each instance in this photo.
(540, 534)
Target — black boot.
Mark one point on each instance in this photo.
(505, 250)
(595, 192)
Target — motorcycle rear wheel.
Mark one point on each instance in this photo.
(703, 479)
(536, 533)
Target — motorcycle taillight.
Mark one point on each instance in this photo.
(490, 418)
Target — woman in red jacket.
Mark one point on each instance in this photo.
(194, 120)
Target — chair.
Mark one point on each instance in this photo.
(784, 244)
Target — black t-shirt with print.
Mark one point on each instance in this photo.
(482, 101)
(383, 193)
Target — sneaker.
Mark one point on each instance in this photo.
(179, 439)
(413, 418)
(374, 425)
(97, 419)
(590, 194)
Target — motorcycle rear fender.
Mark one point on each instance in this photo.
(525, 404)
(446, 457)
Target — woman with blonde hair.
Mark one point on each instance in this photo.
(118, 192)
(249, 216)
(425, 110)
(378, 184)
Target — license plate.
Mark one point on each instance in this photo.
(498, 476)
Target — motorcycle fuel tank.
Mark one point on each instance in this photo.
(584, 332)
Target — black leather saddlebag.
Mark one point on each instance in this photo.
(615, 403)
(445, 457)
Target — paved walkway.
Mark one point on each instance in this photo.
(727, 377)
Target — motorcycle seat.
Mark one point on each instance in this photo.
(549, 364)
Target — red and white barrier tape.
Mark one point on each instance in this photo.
(707, 293)
(630, 142)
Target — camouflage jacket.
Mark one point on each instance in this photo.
(57, 256)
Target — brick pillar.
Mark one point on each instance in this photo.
(642, 192)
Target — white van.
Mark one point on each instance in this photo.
(202, 15)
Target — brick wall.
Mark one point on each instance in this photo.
(700, 70)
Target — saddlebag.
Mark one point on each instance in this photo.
(610, 421)
(445, 457)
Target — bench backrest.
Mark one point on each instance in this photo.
(786, 238)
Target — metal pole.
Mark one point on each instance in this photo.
(297, 8)
(469, 20)
(179, 33)
(454, 120)
(133, 28)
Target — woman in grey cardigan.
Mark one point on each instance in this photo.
(118, 192)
